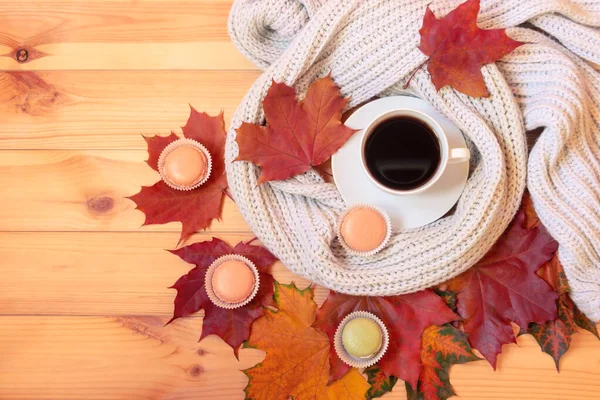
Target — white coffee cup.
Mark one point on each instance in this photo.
(448, 155)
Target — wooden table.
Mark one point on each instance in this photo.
(83, 293)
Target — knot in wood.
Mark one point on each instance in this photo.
(195, 371)
(100, 205)
(22, 55)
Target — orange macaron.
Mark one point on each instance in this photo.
(185, 164)
(232, 281)
(364, 229)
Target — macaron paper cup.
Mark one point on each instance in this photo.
(184, 142)
(373, 251)
(355, 361)
(208, 281)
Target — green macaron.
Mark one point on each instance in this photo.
(362, 337)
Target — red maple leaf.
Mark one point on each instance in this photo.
(458, 48)
(404, 316)
(298, 135)
(233, 326)
(504, 287)
(195, 209)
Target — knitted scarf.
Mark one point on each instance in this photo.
(370, 48)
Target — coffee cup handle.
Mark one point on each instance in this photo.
(459, 155)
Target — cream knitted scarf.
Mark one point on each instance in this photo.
(370, 47)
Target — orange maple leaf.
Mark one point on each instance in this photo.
(458, 48)
(298, 135)
(531, 218)
(297, 361)
(435, 341)
(379, 381)
(554, 337)
(441, 347)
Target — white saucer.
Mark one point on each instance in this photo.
(406, 211)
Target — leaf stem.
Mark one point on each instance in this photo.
(323, 171)
(414, 72)
(226, 192)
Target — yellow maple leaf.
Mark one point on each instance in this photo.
(297, 361)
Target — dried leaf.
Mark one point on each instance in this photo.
(352, 387)
(404, 316)
(531, 218)
(195, 209)
(554, 274)
(298, 135)
(504, 287)
(296, 364)
(584, 322)
(233, 326)
(156, 145)
(448, 297)
(441, 347)
(458, 48)
(380, 383)
(554, 337)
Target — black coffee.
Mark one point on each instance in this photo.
(402, 153)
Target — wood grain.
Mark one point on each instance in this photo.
(103, 358)
(99, 273)
(109, 109)
(92, 109)
(83, 191)
(83, 295)
(525, 373)
(110, 35)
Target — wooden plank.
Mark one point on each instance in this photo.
(54, 190)
(86, 358)
(112, 109)
(120, 274)
(59, 358)
(110, 35)
(37, 22)
(100, 109)
(127, 56)
(525, 373)
(98, 273)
